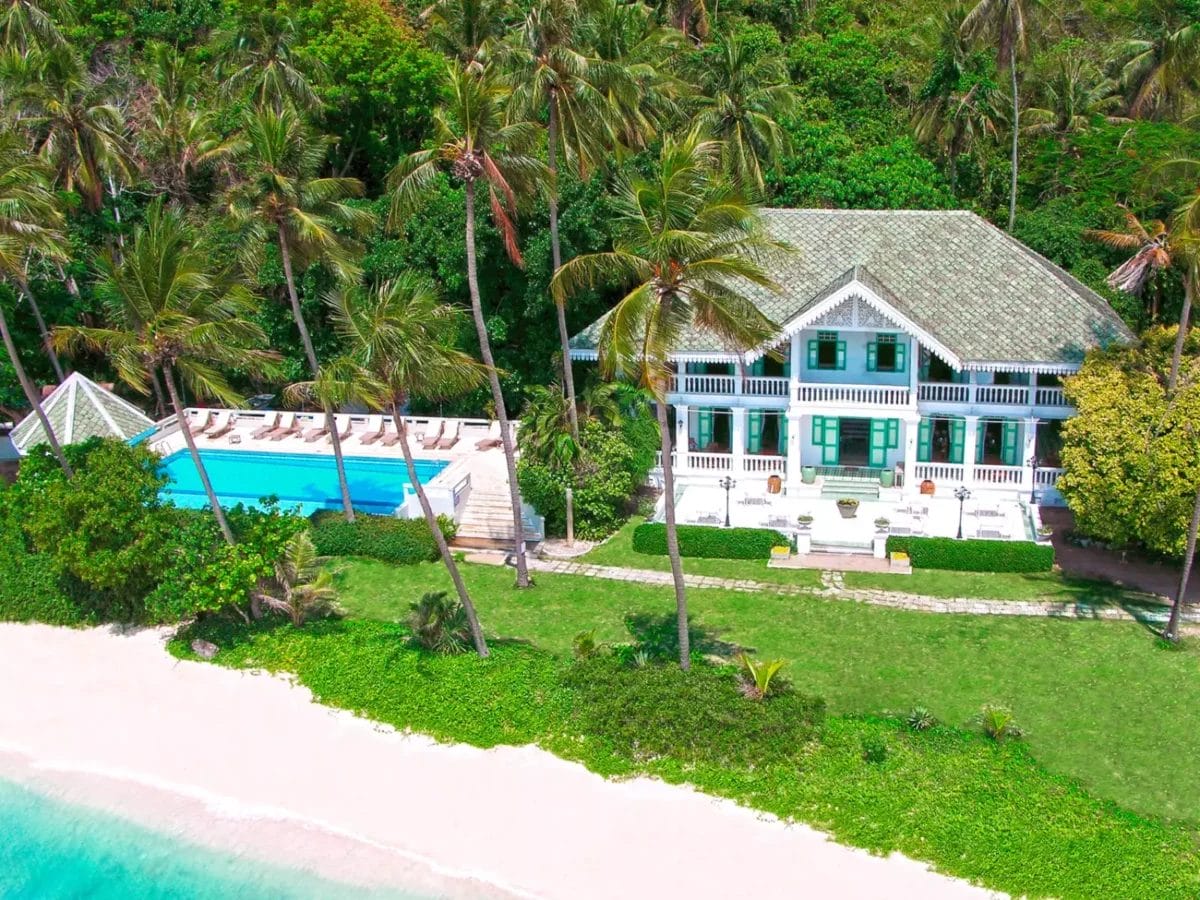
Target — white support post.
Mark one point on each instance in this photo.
(971, 389)
(914, 370)
(911, 431)
(794, 372)
(795, 439)
(1030, 449)
(680, 376)
(681, 437)
(737, 438)
(970, 447)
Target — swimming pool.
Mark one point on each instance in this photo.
(297, 479)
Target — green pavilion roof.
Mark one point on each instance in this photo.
(982, 295)
(79, 409)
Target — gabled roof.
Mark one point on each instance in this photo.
(985, 297)
(79, 409)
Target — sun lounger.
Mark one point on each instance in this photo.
(267, 427)
(288, 427)
(207, 423)
(375, 430)
(224, 428)
(315, 434)
(431, 441)
(450, 438)
(390, 438)
(344, 428)
(491, 439)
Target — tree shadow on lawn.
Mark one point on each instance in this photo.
(657, 634)
(1088, 597)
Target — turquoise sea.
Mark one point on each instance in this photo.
(51, 850)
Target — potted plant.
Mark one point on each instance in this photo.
(804, 521)
(1044, 532)
(808, 474)
(848, 507)
(887, 478)
(882, 524)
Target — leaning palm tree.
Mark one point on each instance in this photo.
(551, 74)
(282, 199)
(473, 141)
(1150, 246)
(1005, 23)
(696, 254)
(28, 23)
(743, 95)
(167, 312)
(403, 338)
(30, 221)
(260, 59)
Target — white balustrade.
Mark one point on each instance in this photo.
(764, 465)
(710, 462)
(853, 394)
(1003, 394)
(765, 386)
(943, 472)
(999, 475)
(1047, 477)
(943, 392)
(1050, 396)
(708, 384)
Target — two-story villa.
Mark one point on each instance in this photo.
(913, 347)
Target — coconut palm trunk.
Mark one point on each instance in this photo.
(681, 610)
(1016, 131)
(222, 522)
(556, 258)
(31, 394)
(42, 329)
(460, 586)
(315, 368)
(485, 349)
(1190, 278)
(1171, 632)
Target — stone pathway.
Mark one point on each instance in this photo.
(833, 587)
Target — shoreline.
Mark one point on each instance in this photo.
(246, 763)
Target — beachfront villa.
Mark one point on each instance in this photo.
(919, 354)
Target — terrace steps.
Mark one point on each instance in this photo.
(486, 522)
(837, 488)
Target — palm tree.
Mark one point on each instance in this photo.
(1073, 96)
(743, 95)
(552, 75)
(1150, 246)
(302, 584)
(689, 16)
(1005, 22)
(403, 338)
(30, 221)
(1159, 71)
(259, 60)
(282, 199)
(957, 123)
(167, 312)
(465, 30)
(695, 252)
(473, 141)
(25, 23)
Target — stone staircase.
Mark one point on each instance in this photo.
(486, 521)
(850, 488)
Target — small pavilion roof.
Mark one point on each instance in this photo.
(79, 409)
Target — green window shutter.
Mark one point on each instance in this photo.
(893, 434)
(872, 356)
(925, 440)
(705, 431)
(901, 355)
(818, 431)
(829, 456)
(812, 354)
(783, 436)
(958, 439)
(1009, 452)
(841, 355)
(758, 367)
(754, 429)
(979, 441)
(877, 455)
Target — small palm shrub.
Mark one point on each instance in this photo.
(585, 645)
(439, 624)
(302, 586)
(757, 679)
(998, 723)
(920, 719)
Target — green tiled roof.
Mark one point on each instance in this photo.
(79, 409)
(983, 295)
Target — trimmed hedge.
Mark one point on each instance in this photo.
(387, 539)
(974, 555)
(708, 542)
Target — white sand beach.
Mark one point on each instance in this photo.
(247, 762)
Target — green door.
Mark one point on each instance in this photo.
(825, 436)
(958, 439)
(877, 454)
(704, 429)
(1009, 451)
(783, 436)
(754, 430)
(980, 440)
(925, 440)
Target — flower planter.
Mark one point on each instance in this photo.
(781, 553)
(887, 478)
(808, 474)
(848, 508)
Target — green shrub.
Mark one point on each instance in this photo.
(974, 555)
(439, 623)
(387, 539)
(696, 716)
(999, 723)
(920, 719)
(31, 588)
(874, 748)
(710, 543)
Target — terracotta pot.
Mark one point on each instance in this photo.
(928, 487)
(774, 484)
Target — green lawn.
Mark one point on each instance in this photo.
(1101, 702)
(999, 586)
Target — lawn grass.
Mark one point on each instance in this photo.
(999, 586)
(989, 813)
(618, 551)
(1100, 701)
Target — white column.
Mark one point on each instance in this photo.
(794, 372)
(1030, 430)
(914, 368)
(912, 484)
(681, 437)
(970, 446)
(737, 437)
(680, 369)
(795, 437)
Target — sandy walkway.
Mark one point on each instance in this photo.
(116, 720)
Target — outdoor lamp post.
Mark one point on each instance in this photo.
(729, 484)
(961, 495)
(1034, 464)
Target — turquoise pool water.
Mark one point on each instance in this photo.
(53, 851)
(246, 476)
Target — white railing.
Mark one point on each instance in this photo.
(764, 465)
(1050, 396)
(1005, 394)
(853, 394)
(938, 472)
(1047, 477)
(942, 392)
(710, 462)
(708, 384)
(1003, 475)
(765, 386)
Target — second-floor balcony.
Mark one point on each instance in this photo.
(992, 394)
(727, 385)
(853, 395)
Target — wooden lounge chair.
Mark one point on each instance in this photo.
(431, 440)
(267, 427)
(209, 418)
(390, 438)
(491, 439)
(224, 428)
(369, 437)
(291, 427)
(315, 434)
(344, 428)
(450, 438)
